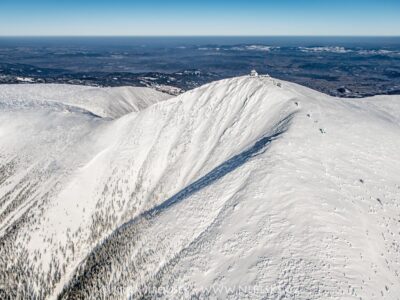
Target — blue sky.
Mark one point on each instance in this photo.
(206, 17)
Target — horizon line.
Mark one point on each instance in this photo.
(195, 35)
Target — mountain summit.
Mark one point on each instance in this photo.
(248, 187)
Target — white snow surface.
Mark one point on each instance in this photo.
(104, 102)
(240, 189)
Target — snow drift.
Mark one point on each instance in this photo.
(243, 188)
(103, 102)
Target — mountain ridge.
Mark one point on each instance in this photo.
(224, 148)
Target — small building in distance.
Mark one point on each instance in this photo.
(253, 73)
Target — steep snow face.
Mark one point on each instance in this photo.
(243, 188)
(45, 142)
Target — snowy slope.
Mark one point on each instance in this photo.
(104, 102)
(238, 189)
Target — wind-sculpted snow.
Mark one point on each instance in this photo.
(243, 188)
(103, 102)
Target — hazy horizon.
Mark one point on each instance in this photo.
(195, 18)
(199, 35)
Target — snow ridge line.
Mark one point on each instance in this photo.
(52, 105)
(91, 262)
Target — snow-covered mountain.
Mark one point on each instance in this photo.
(243, 188)
(103, 102)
